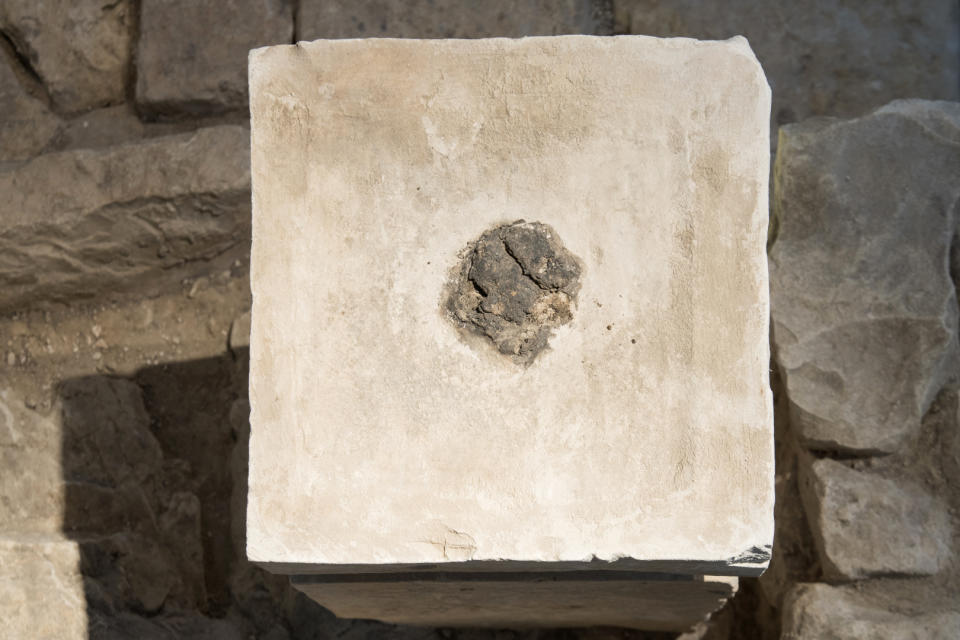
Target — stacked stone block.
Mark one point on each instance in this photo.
(864, 307)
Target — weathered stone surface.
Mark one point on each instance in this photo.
(823, 57)
(79, 49)
(86, 222)
(864, 309)
(649, 158)
(27, 125)
(192, 56)
(134, 570)
(41, 589)
(865, 525)
(822, 612)
(447, 18)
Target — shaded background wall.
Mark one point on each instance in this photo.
(124, 239)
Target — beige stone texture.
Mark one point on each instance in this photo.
(645, 603)
(380, 436)
(41, 589)
(27, 125)
(89, 222)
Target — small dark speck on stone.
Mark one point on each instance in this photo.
(633, 341)
(609, 327)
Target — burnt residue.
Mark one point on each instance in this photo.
(514, 285)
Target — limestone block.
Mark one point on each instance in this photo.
(652, 602)
(80, 49)
(864, 309)
(87, 222)
(824, 57)
(654, 391)
(27, 125)
(389, 434)
(822, 612)
(445, 18)
(191, 56)
(41, 589)
(865, 525)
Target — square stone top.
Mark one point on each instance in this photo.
(388, 433)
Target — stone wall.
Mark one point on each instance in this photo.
(123, 292)
(864, 304)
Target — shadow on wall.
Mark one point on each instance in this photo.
(155, 469)
(155, 494)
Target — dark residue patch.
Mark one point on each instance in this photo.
(515, 284)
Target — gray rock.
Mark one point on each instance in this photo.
(822, 612)
(864, 309)
(823, 57)
(184, 626)
(181, 530)
(80, 50)
(239, 337)
(27, 125)
(141, 535)
(31, 491)
(106, 433)
(446, 18)
(865, 525)
(41, 589)
(239, 470)
(133, 570)
(192, 56)
(111, 465)
(87, 222)
(106, 127)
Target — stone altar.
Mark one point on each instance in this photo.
(408, 467)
